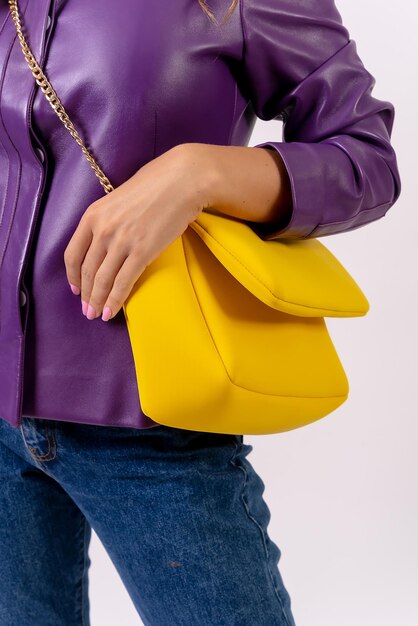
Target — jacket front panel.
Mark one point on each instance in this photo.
(126, 71)
(136, 82)
(21, 181)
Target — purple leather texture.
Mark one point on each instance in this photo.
(137, 80)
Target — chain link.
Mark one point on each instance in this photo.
(52, 97)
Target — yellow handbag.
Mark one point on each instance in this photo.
(227, 329)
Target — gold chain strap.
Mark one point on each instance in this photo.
(52, 97)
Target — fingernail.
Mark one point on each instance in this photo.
(84, 306)
(107, 314)
(75, 289)
(91, 313)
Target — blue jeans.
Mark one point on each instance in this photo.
(179, 512)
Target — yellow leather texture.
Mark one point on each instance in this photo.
(237, 342)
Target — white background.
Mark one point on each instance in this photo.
(343, 492)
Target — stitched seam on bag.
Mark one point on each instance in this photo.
(222, 361)
(307, 306)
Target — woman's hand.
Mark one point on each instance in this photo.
(124, 231)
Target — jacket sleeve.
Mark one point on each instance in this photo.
(301, 67)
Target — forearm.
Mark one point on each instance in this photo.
(244, 182)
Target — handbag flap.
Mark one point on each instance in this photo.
(296, 276)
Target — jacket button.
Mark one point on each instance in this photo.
(22, 297)
(40, 154)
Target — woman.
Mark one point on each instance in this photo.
(166, 94)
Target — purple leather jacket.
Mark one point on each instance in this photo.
(136, 81)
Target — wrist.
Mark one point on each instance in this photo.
(247, 183)
(203, 176)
